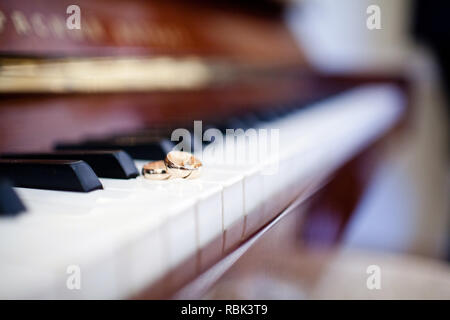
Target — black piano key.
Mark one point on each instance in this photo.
(275, 112)
(10, 203)
(165, 134)
(156, 133)
(65, 175)
(267, 115)
(137, 147)
(250, 120)
(107, 164)
(232, 123)
(247, 121)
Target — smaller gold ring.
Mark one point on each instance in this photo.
(155, 171)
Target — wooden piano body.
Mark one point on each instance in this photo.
(248, 62)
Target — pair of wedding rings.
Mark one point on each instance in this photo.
(177, 164)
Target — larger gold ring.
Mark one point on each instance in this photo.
(182, 165)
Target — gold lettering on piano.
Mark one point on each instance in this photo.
(20, 23)
(39, 27)
(139, 33)
(94, 29)
(2, 21)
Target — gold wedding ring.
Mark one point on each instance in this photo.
(155, 171)
(177, 164)
(182, 165)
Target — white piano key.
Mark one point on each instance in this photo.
(155, 251)
(253, 190)
(180, 232)
(204, 221)
(180, 224)
(25, 282)
(209, 216)
(52, 249)
(207, 194)
(143, 261)
(92, 198)
(253, 196)
(112, 229)
(232, 192)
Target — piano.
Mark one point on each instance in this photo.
(82, 111)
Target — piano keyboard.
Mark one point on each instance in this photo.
(132, 232)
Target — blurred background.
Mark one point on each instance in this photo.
(408, 203)
(403, 222)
